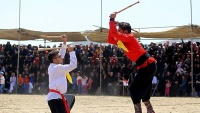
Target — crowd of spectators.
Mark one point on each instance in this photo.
(173, 77)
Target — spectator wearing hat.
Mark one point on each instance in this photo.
(2, 82)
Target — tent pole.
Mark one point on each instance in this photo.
(19, 37)
(100, 55)
(192, 54)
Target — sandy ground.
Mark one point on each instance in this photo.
(97, 104)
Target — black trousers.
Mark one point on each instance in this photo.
(56, 106)
(140, 88)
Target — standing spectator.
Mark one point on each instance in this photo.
(43, 83)
(10, 69)
(197, 84)
(189, 84)
(111, 83)
(125, 86)
(104, 83)
(36, 60)
(8, 51)
(84, 84)
(183, 85)
(89, 82)
(175, 84)
(168, 76)
(179, 69)
(160, 65)
(2, 82)
(96, 82)
(167, 88)
(1, 52)
(37, 85)
(7, 81)
(154, 84)
(74, 81)
(154, 81)
(79, 83)
(119, 84)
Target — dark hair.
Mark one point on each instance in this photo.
(125, 26)
(52, 55)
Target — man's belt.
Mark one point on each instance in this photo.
(63, 99)
(142, 59)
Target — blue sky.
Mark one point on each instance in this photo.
(80, 15)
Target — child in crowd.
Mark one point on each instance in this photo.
(79, 83)
(84, 83)
(167, 88)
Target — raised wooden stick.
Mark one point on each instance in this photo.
(127, 7)
(45, 36)
(134, 30)
(46, 49)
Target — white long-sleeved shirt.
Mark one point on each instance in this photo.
(57, 74)
(13, 80)
(154, 81)
(2, 80)
(84, 81)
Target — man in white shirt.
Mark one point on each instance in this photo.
(57, 77)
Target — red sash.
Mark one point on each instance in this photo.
(63, 99)
(149, 61)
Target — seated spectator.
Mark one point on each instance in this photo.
(26, 83)
(20, 84)
(12, 82)
(43, 83)
(31, 83)
(2, 82)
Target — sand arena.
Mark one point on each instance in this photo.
(97, 104)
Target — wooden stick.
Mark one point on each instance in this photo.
(134, 30)
(46, 49)
(45, 36)
(127, 7)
